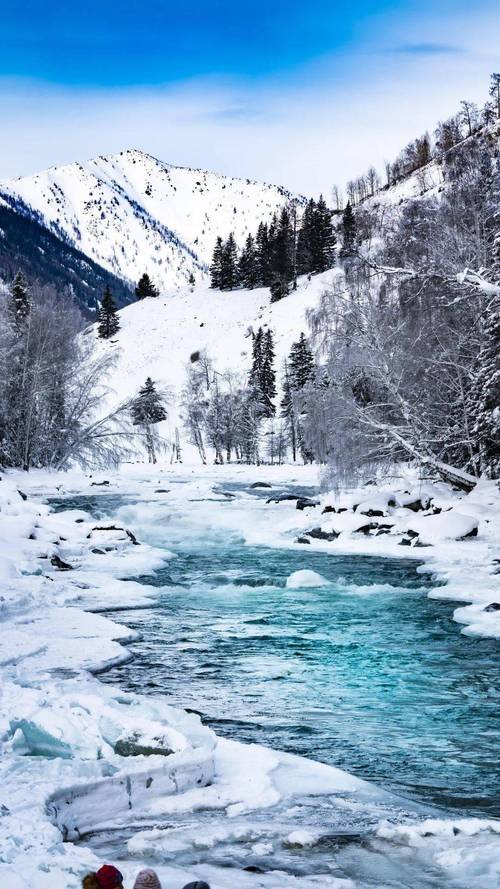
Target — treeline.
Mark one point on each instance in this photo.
(468, 121)
(251, 418)
(296, 242)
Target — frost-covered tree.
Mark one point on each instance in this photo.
(51, 389)
(147, 410)
(195, 400)
(485, 394)
(495, 92)
(107, 319)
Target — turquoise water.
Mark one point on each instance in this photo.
(367, 674)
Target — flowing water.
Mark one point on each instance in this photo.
(367, 673)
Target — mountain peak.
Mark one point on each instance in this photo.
(131, 212)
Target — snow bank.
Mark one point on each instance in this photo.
(466, 851)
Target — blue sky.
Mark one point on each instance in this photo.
(118, 43)
(306, 93)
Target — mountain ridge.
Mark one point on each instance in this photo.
(130, 212)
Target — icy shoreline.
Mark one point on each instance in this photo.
(60, 725)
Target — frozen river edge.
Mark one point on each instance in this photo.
(61, 773)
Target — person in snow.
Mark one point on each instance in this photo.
(147, 879)
(107, 877)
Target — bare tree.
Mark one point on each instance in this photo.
(495, 92)
(338, 197)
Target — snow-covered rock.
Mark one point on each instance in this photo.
(305, 578)
(451, 525)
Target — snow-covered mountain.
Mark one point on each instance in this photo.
(131, 213)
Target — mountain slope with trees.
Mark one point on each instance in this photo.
(28, 246)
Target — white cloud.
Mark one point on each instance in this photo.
(324, 124)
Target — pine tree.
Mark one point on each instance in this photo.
(282, 255)
(301, 364)
(262, 256)
(324, 238)
(19, 303)
(147, 410)
(247, 267)
(349, 228)
(216, 266)
(145, 287)
(305, 240)
(485, 395)
(255, 374)
(108, 323)
(268, 374)
(288, 411)
(229, 265)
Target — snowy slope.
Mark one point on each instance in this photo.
(132, 213)
(158, 336)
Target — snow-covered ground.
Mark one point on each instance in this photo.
(63, 733)
(132, 213)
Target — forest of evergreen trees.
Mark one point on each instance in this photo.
(299, 241)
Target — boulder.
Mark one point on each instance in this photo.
(57, 562)
(131, 745)
(365, 529)
(305, 503)
(280, 498)
(319, 534)
(494, 606)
